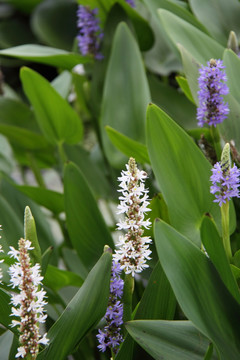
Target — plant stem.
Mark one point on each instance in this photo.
(127, 297)
(216, 141)
(225, 229)
(36, 171)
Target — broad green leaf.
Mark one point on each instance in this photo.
(56, 279)
(164, 95)
(50, 199)
(214, 248)
(55, 23)
(7, 161)
(158, 300)
(73, 262)
(83, 312)
(169, 340)
(23, 138)
(199, 290)
(5, 310)
(5, 344)
(182, 82)
(30, 233)
(45, 55)
(57, 120)
(175, 156)
(191, 38)
(63, 83)
(232, 63)
(12, 215)
(93, 171)
(128, 146)
(219, 17)
(87, 229)
(126, 84)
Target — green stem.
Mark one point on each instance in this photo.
(62, 153)
(127, 297)
(225, 229)
(36, 171)
(216, 141)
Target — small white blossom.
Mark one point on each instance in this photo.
(133, 249)
(29, 304)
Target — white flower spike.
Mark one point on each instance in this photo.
(133, 247)
(28, 304)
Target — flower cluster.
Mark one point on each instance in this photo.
(224, 183)
(225, 179)
(133, 247)
(28, 304)
(111, 336)
(131, 3)
(212, 109)
(90, 34)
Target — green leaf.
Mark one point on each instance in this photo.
(130, 89)
(175, 156)
(87, 229)
(30, 234)
(191, 38)
(214, 247)
(56, 278)
(93, 171)
(232, 63)
(83, 312)
(199, 290)
(182, 82)
(219, 17)
(57, 120)
(28, 140)
(169, 340)
(45, 55)
(50, 199)
(5, 310)
(128, 146)
(55, 23)
(164, 95)
(24, 5)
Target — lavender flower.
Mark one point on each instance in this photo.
(28, 304)
(133, 252)
(90, 34)
(111, 336)
(212, 109)
(225, 180)
(131, 3)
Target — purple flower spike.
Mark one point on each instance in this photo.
(110, 336)
(90, 34)
(131, 3)
(212, 109)
(225, 180)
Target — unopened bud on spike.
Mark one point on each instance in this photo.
(225, 159)
(233, 42)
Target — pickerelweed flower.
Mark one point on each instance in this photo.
(131, 3)
(110, 336)
(90, 33)
(133, 247)
(28, 304)
(225, 179)
(212, 109)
